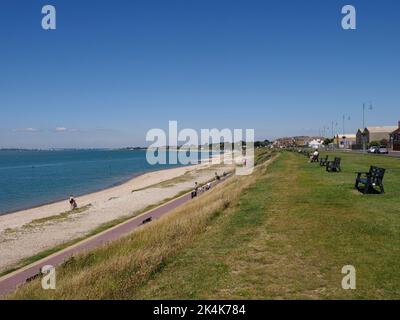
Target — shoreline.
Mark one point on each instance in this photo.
(78, 195)
(110, 186)
(28, 232)
(6, 213)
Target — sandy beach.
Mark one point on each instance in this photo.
(28, 232)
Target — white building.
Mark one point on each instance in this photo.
(315, 144)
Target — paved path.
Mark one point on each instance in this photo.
(9, 282)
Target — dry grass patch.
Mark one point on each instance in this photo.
(58, 217)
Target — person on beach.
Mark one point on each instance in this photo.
(217, 177)
(72, 203)
(196, 189)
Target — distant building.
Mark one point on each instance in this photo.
(284, 142)
(370, 134)
(395, 139)
(379, 133)
(346, 141)
(299, 141)
(302, 140)
(315, 143)
(359, 139)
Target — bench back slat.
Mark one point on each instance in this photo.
(376, 174)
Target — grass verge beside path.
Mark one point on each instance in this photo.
(290, 236)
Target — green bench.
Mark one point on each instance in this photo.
(334, 166)
(371, 179)
(323, 161)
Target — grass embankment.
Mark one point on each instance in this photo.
(285, 232)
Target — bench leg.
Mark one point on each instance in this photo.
(366, 188)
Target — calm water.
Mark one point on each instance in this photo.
(32, 178)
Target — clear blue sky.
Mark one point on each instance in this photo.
(114, 69)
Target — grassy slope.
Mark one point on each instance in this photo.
(290, 236)
(283, 234)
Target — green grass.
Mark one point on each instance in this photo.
(284, 233)
(291, 234)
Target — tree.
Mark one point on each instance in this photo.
(264, 143)
(327, 141)
(374, 144)
(384, 142)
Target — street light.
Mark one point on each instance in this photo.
(369, 108)
(326, 129)
(343, 128)
(364, 125)
(344, 119)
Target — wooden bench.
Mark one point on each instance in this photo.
(371, 179)
(323, 161)
(334, 166)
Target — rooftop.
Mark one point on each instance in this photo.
(386, 129)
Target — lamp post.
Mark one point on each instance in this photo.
(326, 131)
(344, 130)
(344, 120)
(337, 134)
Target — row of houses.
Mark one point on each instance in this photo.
(387, 135)
(294, 141)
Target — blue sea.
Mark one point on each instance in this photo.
(33, 178)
